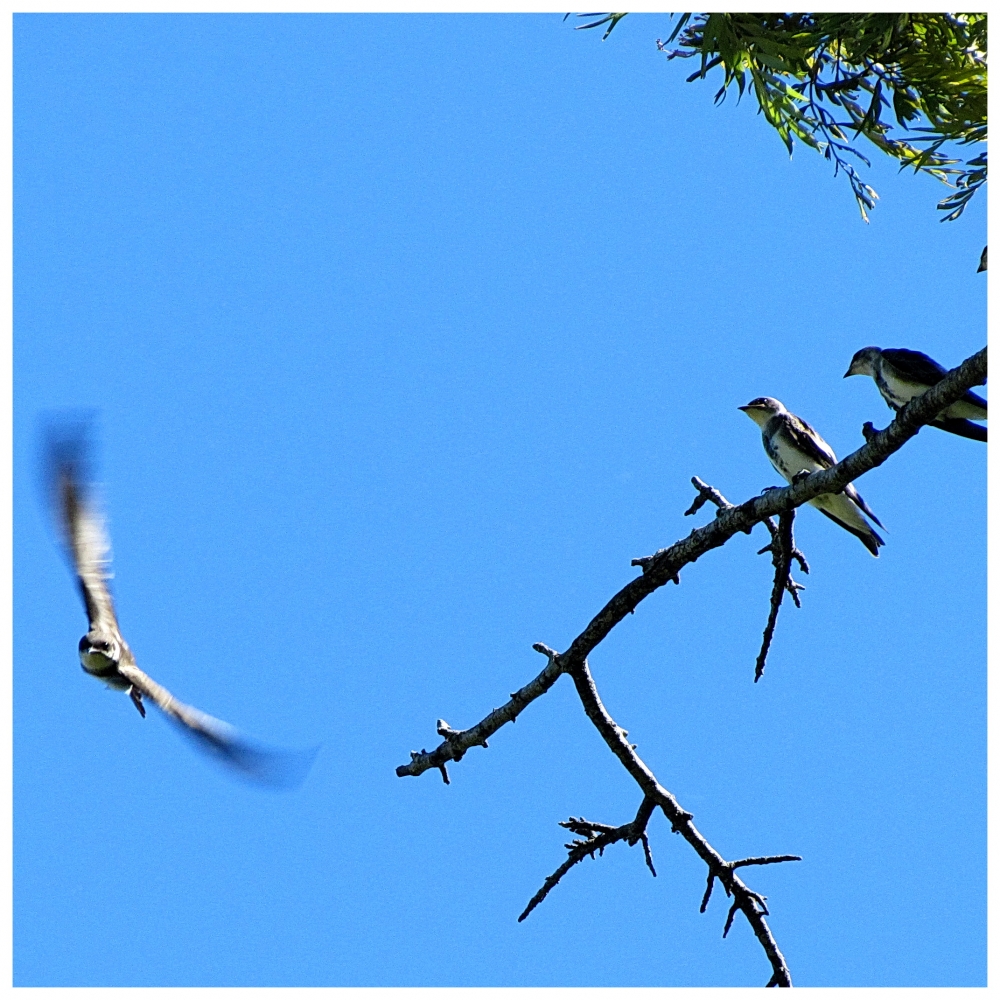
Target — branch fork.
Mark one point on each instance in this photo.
(724, 873)
(596, 837)
(657, 569)
(706, 494)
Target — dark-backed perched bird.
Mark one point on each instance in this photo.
(104, 653)
(793, 447)
(901, 375)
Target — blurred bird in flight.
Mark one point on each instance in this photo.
(104, 653)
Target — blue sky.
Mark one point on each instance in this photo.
(406, 334)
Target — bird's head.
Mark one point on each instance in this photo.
(761, 409)
(863, 363)
(99, 653)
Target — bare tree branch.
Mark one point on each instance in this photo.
(665, 564)
(744, 898)
(657, 569)
(600, 836)
(458, 741)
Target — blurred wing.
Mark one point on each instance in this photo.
(82, 526)
(280, 768)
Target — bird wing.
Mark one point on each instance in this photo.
(851, 492)
(82, 528)
(806, 440)
(963, 428)
(869, 538)
(917, 367)
(286, 768)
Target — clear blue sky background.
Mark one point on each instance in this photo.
(406, 335)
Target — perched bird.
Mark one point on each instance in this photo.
(104, 653)
(901, 375)
(793, 447)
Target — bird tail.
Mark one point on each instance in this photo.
(871, 539)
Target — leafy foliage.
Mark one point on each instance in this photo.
(821, 77)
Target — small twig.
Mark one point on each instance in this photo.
(782, 546)
(597, 837)
(550, 883)
(729, 919)
(708, 891)
(772, 860)
(706, 493)
(646, 851)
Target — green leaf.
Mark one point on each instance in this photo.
(800, 65)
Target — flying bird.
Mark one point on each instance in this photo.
(902, 375)
(793, 447)
(105, 654)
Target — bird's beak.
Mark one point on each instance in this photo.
(850, 371)
(745, 409)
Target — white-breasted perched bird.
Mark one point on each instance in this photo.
(901, 375)
(793, 447)
(105, 654)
